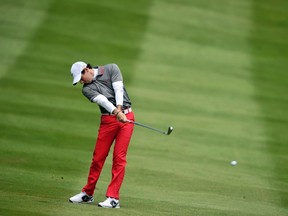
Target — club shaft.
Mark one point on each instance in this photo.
(146, 126)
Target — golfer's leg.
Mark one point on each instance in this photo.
(106, 135)
(119, 157)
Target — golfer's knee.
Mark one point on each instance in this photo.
(119, 161)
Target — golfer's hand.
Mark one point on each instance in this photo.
(121, 117)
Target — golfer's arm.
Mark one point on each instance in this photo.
(101, 100)
(118, 89)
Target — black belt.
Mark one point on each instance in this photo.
(125, 111)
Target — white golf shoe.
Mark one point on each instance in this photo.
(81, 198)
(110, 203)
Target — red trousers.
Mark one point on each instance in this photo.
(110, 129)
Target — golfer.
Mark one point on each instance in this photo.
(104, 86)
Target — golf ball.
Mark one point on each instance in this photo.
(233, 163)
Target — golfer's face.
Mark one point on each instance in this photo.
(86, 77)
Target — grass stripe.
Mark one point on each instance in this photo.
(269, 71)
(16, 32)
(216, 77)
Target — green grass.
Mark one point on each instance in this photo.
(216, 71)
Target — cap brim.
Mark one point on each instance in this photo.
(76, 79)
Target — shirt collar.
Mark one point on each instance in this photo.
(95, 72)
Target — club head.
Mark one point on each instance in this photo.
(170, 129)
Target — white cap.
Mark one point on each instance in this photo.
(76, 70)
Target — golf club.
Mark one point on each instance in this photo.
(170, 129)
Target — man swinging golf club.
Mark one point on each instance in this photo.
(104, 86)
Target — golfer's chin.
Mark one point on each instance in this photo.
(88, 82)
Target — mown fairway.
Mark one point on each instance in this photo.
(215, 70)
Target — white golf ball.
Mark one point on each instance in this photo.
(233, 163)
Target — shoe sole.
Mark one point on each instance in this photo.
(108, 207)
(88, 202)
